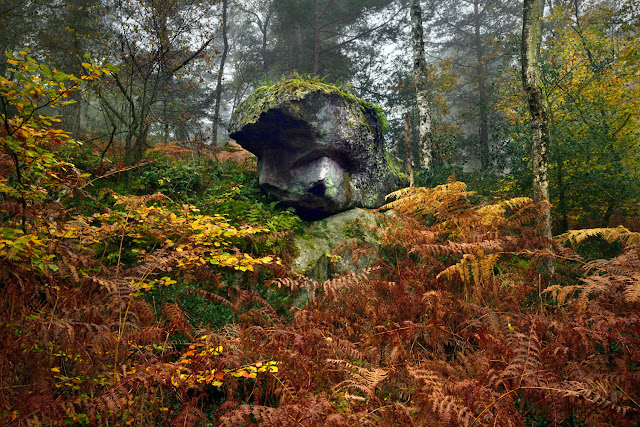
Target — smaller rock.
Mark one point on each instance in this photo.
(316, 257)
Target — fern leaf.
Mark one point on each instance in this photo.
(471, 268)
(217, 299)
(332, 286)
(365, 380)
(422, 201)
(597, 393)
(189, 416)
(560, 293)
(609, 234)
(525, 362)
(177, 319)
(632, 291)
(300, 282)
(451, 410)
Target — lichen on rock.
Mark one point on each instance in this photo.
(319, 148)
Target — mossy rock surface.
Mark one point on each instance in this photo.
(322, 249)
(268, 97)
(319, 148)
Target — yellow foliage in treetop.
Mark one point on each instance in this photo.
(593, 80)
(591, 76)
(592, 57)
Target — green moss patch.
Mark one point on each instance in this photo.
(294, 89)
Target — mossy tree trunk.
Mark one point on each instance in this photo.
(537, 108)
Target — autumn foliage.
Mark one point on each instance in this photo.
(453, 324)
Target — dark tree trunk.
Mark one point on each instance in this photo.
(264, 29)
(299, 46)
(562, 197)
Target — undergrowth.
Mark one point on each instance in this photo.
(150, 311)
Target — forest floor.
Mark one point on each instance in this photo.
(169, 301)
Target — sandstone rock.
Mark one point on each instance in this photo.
(319, 149)
(317, 251)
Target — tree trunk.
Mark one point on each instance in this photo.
(264, 29)
(317, 13)
(420, 81)
(165, 118)
(537, 108)
(562, 197)
(407, 147)
(223, 59)
(316, 51)
(300, 62)
(483, 94)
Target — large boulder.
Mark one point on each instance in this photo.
(319, 148)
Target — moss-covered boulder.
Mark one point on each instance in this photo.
(319, 149)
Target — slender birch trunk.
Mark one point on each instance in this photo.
(223, 58)
(407, 147)
(420, 80)
(537, 107)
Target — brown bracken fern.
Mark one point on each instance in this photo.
(452, 325)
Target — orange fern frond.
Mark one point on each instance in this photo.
(451, 410)
(333, 286)
(177, 319)
(597, 393)
(525, 363)
(609, 234)
(423, 201)
(362, 379)
(632, 291)
(472, 269)
(210, 296)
